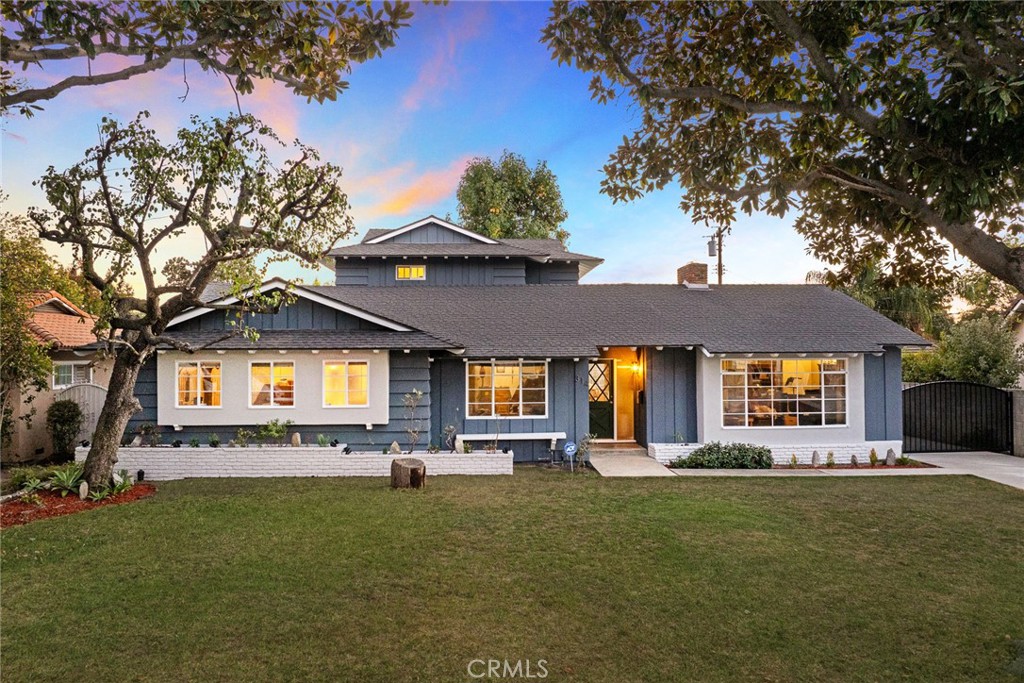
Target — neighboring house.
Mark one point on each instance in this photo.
(66, 330)
(504, 341)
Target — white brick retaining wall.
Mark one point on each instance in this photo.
(164, 463)
(667, 452)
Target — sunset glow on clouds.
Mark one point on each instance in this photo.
(464, 80)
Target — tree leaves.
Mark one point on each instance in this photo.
(894, 130)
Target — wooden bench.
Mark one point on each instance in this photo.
(552, 437)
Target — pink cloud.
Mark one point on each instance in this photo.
(440, 71)
(427, 188)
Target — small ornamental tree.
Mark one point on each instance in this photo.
(982, 350)
(893, 129)
(509, 199)
(309, 45)
(214, 190)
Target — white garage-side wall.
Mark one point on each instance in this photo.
(308, 408)
(844, 441)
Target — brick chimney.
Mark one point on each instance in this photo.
(693, 274)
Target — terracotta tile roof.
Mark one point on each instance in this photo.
(63, 325)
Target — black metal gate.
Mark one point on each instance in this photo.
(957, 416)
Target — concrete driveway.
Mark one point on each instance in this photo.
(1005, 469)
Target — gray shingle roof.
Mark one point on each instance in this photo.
(560, 320)
(313, 339)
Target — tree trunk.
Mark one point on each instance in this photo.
(118, 408)
(408, 473)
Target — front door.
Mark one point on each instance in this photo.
(602, 398)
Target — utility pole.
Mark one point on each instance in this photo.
(715, 249)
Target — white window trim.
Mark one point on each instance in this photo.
(323, 384)
(493, 416)
(272, 405)
(194, 406)
(72, 363)
(746, 401)
(411, 265)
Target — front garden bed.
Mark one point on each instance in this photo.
(162, 463)
(47, 504)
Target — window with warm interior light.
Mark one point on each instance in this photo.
(346, 383)
(199, 384)
(271, 384)
(410, 272)
(804, 392)
(507, 389)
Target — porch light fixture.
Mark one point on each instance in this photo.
(636, 367)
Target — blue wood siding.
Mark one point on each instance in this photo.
(432, 233)
(408, 371)
(883, 396)
(302, 314)
(670, 390)
(454, 271)
(567, 407)
(552, 273)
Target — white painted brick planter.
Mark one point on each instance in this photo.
(164, 463)
(667, 452)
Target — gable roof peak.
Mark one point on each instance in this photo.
(391, 234)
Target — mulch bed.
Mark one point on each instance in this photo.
(15, 512)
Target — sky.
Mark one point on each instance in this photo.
(465, 80)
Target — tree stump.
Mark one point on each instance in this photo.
(408, 473)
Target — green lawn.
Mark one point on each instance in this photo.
(859, 579)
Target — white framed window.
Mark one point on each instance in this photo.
(415, 272)
(799, 392)
(346, 384)
(66, 374)
(507, 389)
(271, 384)
(198, 384)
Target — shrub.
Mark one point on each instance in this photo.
(903, 461)
(63, 421)
(793, 461)
(830, 459)
(274, 431)
(716, 455)
(194, 442)
(873, 457)
(242, 437)
(214, 440)
(322, 441)
(433, 448)
(22, 475)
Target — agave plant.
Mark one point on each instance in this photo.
(67, 479)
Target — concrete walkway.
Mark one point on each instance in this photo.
(633, 462)
(1004, 469)
(820, 472)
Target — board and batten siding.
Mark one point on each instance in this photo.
(432, 233)
(567, 407)
(670, 393)
(883, 396)
(452, 272)
(406, 371)
(301, 314)
(553, 273)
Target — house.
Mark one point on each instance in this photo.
(507, 345)
(79, 373)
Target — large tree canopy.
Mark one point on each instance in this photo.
(509, 199)
(309, 45)
(895, 129)
(215, 193)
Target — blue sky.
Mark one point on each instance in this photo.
(465, 80)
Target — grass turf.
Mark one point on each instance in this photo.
(858, 579)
